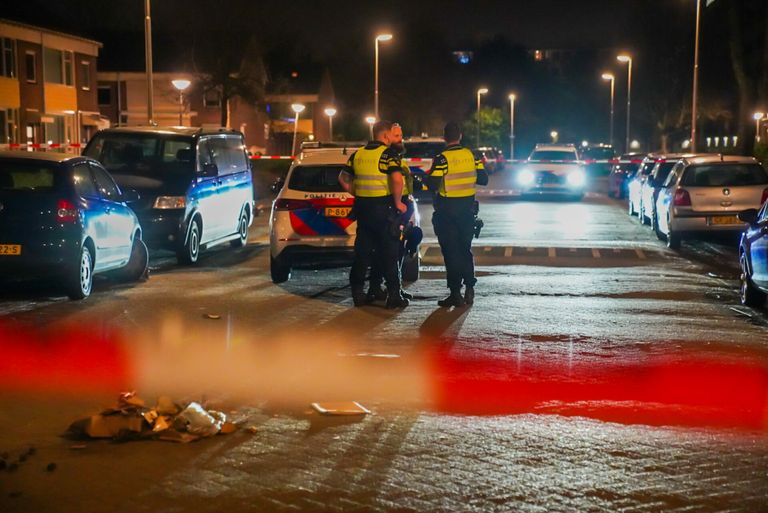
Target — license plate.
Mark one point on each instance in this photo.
(10, 249)
(725, 220)
(337, 211)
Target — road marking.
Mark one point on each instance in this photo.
(487, 249)
(551, 252)
(595, 253)
(508, 251)
(640, 254)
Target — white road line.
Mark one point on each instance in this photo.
(487, 249)
(551, 252)
(508, 252)
(595, 253)
(640, 254)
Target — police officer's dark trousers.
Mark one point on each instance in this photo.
(375, 240)
(454, 224)
(376, 275)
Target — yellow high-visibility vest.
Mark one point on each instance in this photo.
(370, 182)
(407, 180)
(459, 173)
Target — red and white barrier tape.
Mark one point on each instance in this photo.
(40, 146)
(272, 157)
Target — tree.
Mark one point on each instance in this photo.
(492, 128)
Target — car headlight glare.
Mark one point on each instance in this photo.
(169, 202)
(525, 177)
(576, 179)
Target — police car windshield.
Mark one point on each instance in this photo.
(423, 150)
(316, 178)
(554, 155)
(724, 175)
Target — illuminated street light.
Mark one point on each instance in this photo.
(609, 76)
(554, 135)
(627, 59)
(480, 92)
(181, 84)
(379, 38)
(512, 98)
(330, 112)
(757, 116)
(370, 120)
(298, 109)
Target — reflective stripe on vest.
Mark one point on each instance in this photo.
(460, 177)
(369, 181)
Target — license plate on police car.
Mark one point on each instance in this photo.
(10, 249)
(337, 211)
(720, 220)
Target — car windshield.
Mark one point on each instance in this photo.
(316, 178)
(662, 172)
(423, 150)
(149, 155)
(598, 153)
(724, 175)
(554, 155)
(28, 176)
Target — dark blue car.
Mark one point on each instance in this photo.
(195, 184)
(753, 257)
(63, 217)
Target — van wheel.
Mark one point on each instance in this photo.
(674, 240)
(411, 266)
(242, 231)
(137, 267)
(190, 251)
(748, 293)
(79, 280)
(279, 269)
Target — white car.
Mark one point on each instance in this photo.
(419, 154)
(553, 169)
(309, 224)
(706, 194)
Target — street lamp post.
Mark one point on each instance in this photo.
(148, 62)
(370, 120)
(298, 109)
(181, 84)
(512, 127)
(628, 60)
(379, 38)
(609, 76)
(757, 116)
(695, 93)
(480, 92)
(330, 112)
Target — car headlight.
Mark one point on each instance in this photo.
(525, 177)
(168, 202)
(576, 179)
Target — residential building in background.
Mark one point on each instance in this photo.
(47, 86)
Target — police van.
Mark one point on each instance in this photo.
(310, 224)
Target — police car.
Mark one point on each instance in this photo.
(419, 153)
(310, 225)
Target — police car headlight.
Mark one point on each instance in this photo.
(576, 179)
(525, 177)
(168, 202)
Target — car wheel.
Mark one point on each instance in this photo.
(279, 269)
(242, 231)
(748, 293)
(630, 207)
(411, 266)
(190, 251)
(80, 280)
(656, 229)
(673, 240)
(137, 267)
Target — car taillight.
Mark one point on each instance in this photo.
(291, 204)
(66, 212)
(682, 198)
(765, 196)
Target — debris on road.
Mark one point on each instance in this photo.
(167, 421)
(341, 408)
(215, 317)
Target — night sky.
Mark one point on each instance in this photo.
(419, 84)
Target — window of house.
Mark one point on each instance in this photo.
(85, 75)
(30, 63)
(212, 98)
(53, 66)
(68, 65)
(104, 95)
(8, 64)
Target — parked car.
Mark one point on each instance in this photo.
(753, 257)
(705, 194)
(195, 184)
(635, 184)
(649, 190)
(63, 217)
(598, 159)
(492, 158)
(310, 224)
(621, 173)
(552, 169)
(419, 153)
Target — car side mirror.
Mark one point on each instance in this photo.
(749, 216)
(209, 170)
(277, 185)
(130, 195)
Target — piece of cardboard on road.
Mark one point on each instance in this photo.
(345, 408)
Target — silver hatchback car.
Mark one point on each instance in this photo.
(705, 194)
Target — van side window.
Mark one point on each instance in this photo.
(228, 154)
(203, 154)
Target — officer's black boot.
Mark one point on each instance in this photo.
(469, 295)
(453, 299)
(406, 295)
(396, 300)
(376, 293)
(359, 298)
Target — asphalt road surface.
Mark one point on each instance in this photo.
(566, 290)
